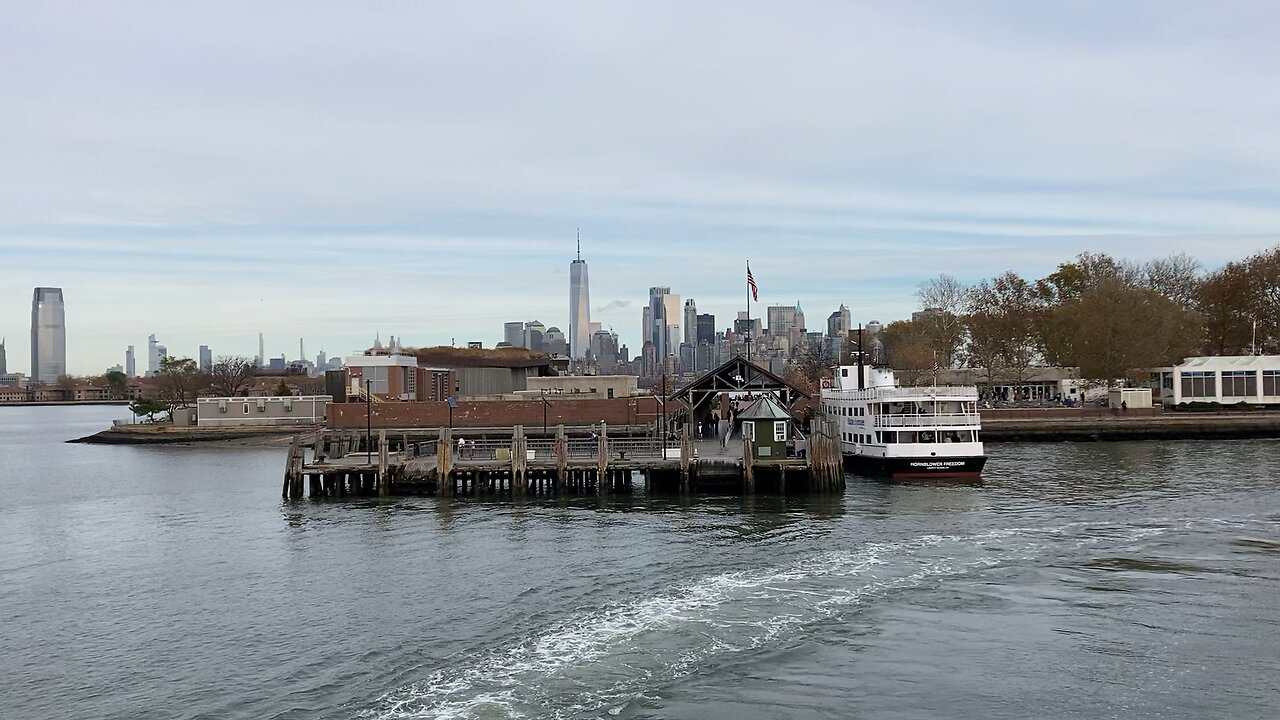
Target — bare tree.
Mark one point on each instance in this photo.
(1176, 277)
(231, 375)
(943, 298)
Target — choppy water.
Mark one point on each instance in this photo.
(1126, 580)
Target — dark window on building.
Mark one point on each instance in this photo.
(1199, 384)
(1239, 383)
(1271, 383)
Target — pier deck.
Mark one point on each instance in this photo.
(501, 461)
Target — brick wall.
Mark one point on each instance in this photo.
(496, 413)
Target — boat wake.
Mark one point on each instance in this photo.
(605, 660)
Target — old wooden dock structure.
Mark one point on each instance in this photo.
(567, 461)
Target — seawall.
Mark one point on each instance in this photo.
(1154, 426)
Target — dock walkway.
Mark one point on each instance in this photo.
(507, 461)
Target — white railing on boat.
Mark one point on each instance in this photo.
(941, 420)
(924, 394)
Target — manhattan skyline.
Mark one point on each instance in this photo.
(422, 172)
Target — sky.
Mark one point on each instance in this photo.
(209, 171)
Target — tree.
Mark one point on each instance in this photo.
(1176, 277)
(1124, 330)
(231, 375)
(943, 301)
(813, 361)
(180, 381)
(148, 407)
(907, 350)
(117, 384)
(282, 390)
(1223, 301)
(1002, 320)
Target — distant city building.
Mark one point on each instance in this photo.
(475, 345)
(784, 318)
(206, 359)
(690, 322)
(130, 362)
(838, 324)
(555, 342)
(664, 314)
(115, 369)
(513, 334)
(322, 361)
(156, 354)
(48, 335)
(706, 328)
(925, 314)
(604, 349)
(535, 336)
(4, 362)
(262, 352)
(579, 308)
(646, 325)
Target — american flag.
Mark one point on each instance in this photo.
(751, 283)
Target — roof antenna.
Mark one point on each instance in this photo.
(579, 243)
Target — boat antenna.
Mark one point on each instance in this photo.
(862, 383)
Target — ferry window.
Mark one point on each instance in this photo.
(1271, 382)
(246, 408)
(844, 372)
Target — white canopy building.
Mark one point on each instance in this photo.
(1228, 380)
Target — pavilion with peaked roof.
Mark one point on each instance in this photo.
(738, 376)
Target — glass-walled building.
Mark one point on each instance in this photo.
(48, 336)
(1228, 380)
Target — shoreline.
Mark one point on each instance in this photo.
(1078, 428)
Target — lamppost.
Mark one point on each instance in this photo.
(368, 420)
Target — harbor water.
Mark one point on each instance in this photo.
(1091, 580)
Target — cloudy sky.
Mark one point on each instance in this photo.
(332, 170)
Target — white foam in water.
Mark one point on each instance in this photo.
(714, 617)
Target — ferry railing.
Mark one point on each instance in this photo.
(967, 419)
(922, 393)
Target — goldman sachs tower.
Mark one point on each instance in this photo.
(579, 307)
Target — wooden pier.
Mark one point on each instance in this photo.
(574, 461)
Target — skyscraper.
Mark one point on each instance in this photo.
(4, 363)
(48, 335)
(690, 322)
(130, 362)
(662, 317)
(838, 323)
(153, 355)
(706, 328)
(513, 333)
(206, 359)
(579, 307)
(262, 352)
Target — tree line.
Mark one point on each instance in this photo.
(1111, 318)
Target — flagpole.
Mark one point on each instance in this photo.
(748, 284)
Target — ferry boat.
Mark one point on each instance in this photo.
(904, 432)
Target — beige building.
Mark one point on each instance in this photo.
(582, 386)
(243, 411)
